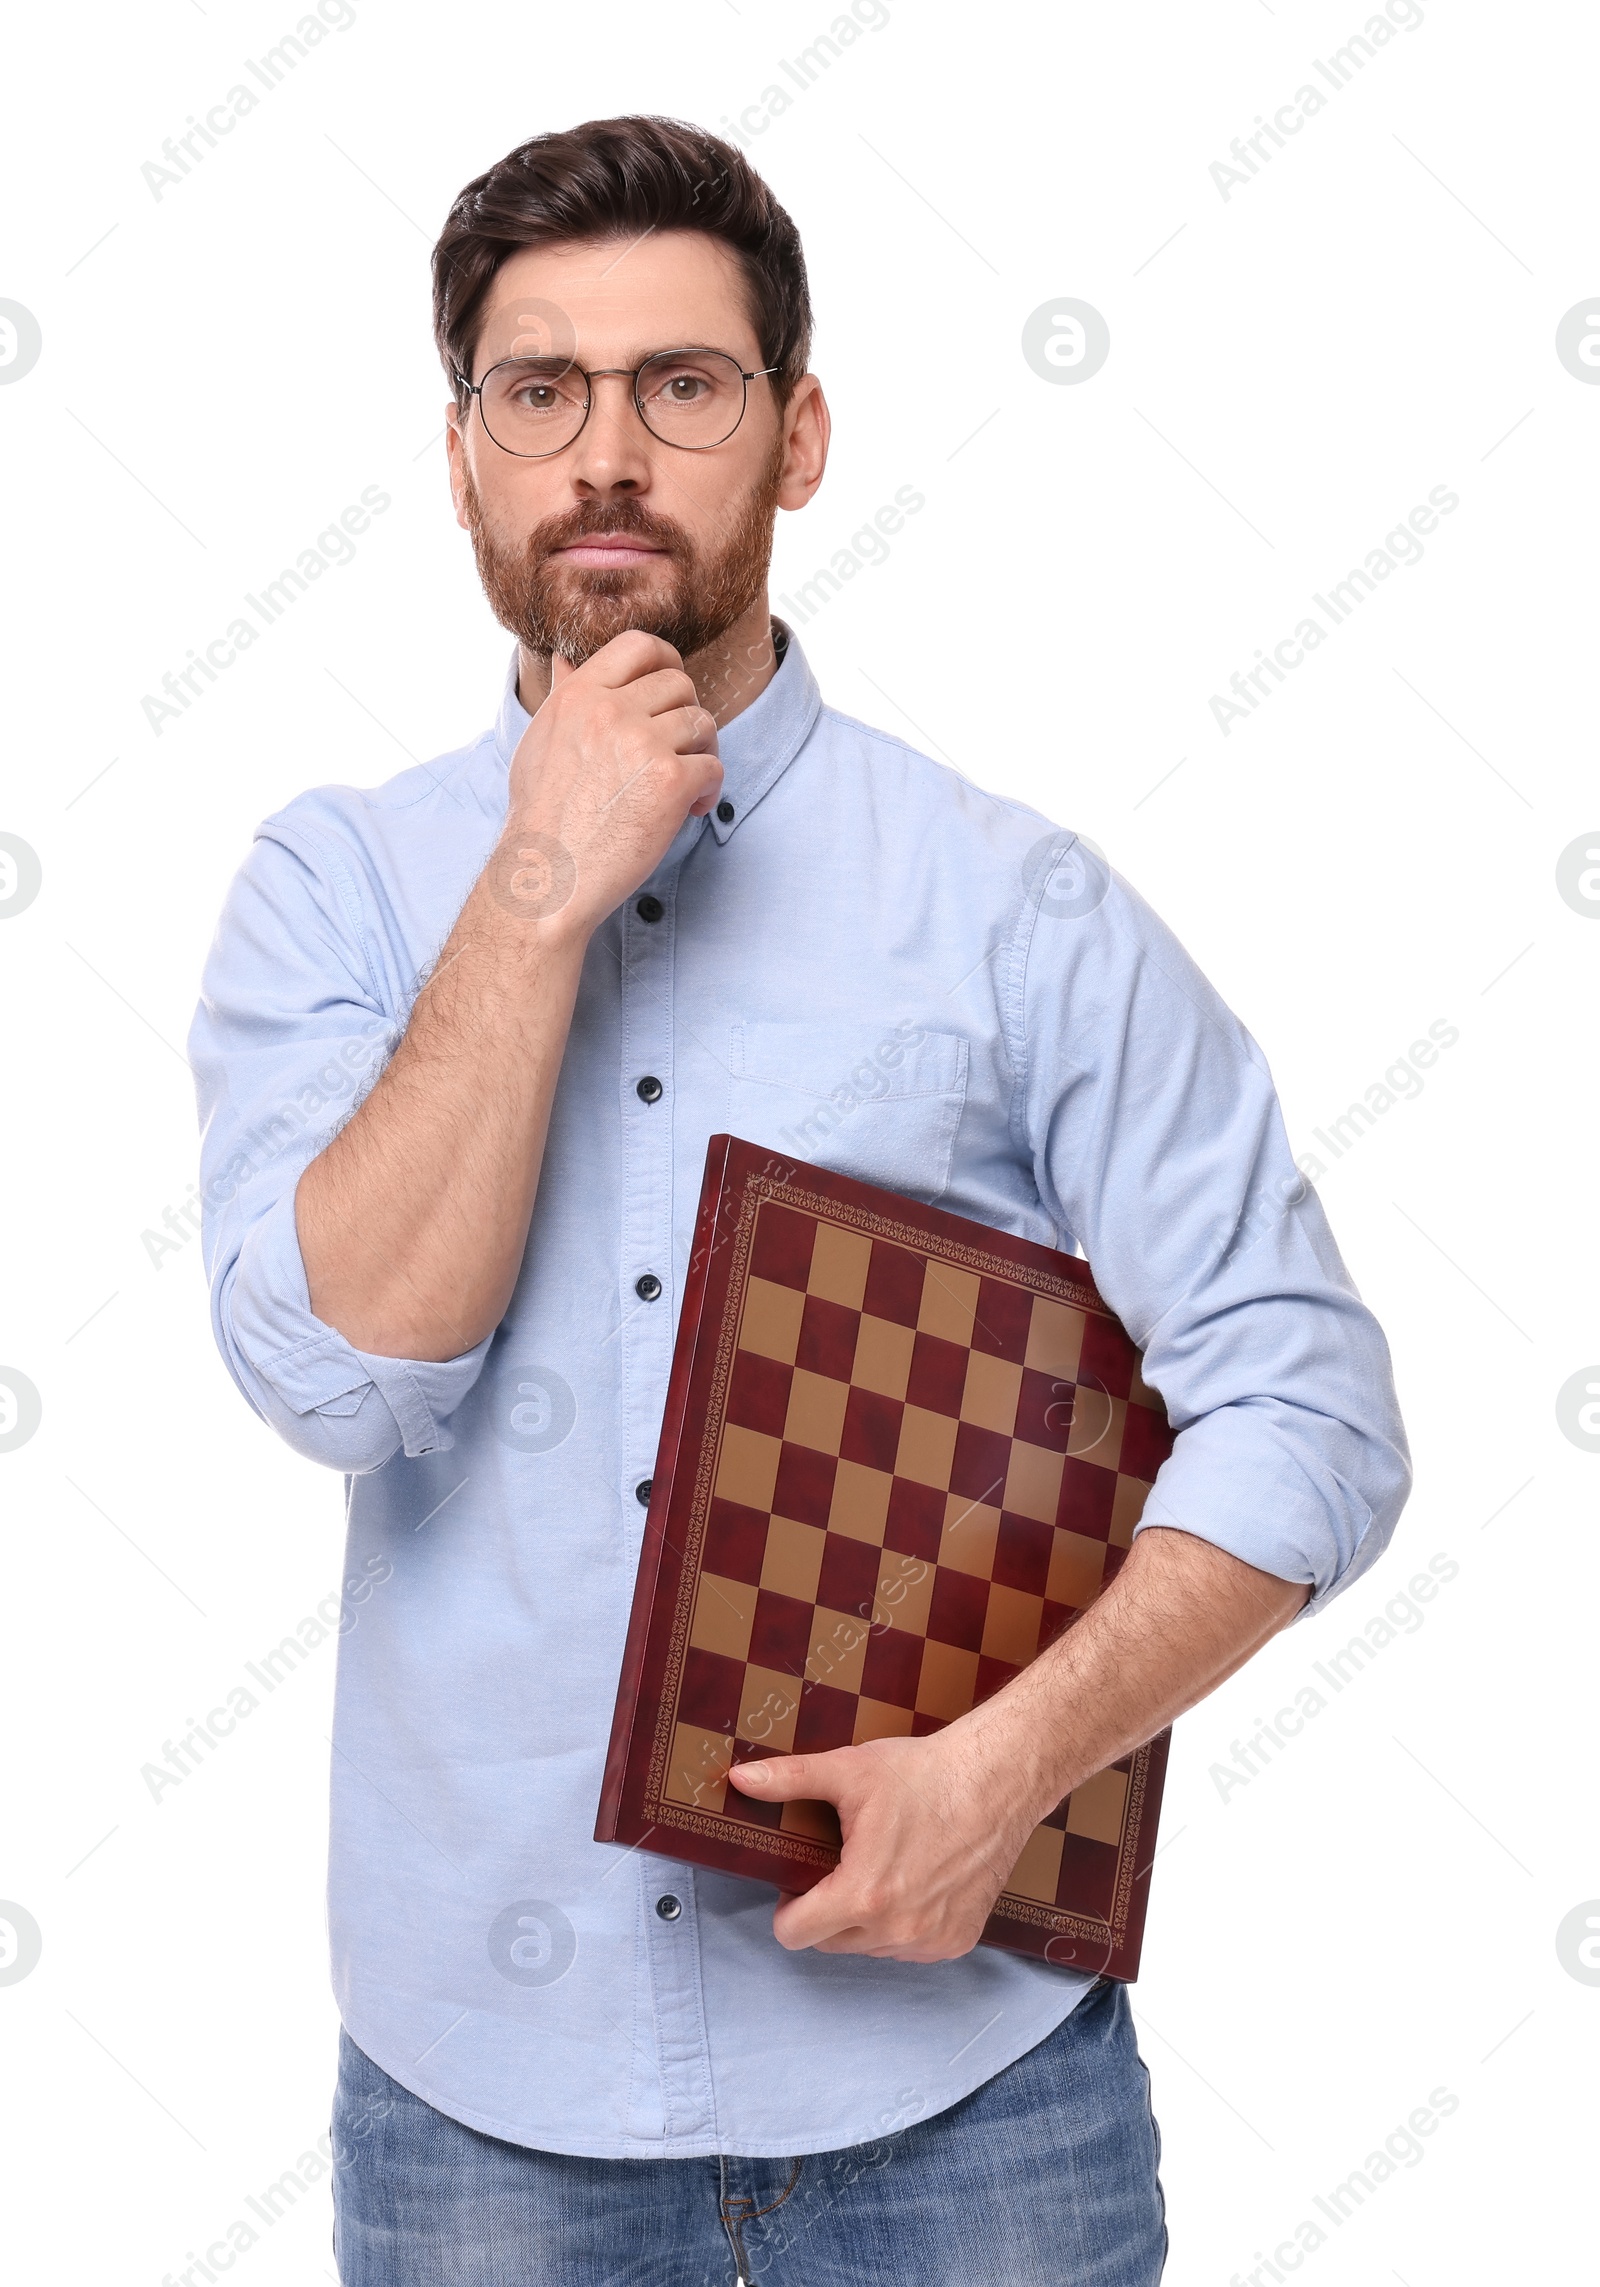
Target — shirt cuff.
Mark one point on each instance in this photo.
(311, 1368)
(1242, 1480)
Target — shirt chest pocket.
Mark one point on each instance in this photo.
(880, 1102)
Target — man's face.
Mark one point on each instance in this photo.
(621, 529)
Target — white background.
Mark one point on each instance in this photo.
(1292, 369)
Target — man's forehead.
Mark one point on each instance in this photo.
(616, 299)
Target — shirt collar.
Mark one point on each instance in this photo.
(756, 748)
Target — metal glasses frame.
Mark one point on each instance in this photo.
(622, 373)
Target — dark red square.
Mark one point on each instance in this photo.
(1044, 1410)
(1053, 1620)
(709, 1694)
(982, 1457)
(1107, 1357)
(1087, 1493)
(938, 1374)
(758, 1392)
(957, 1611)
(827, 1338)
(827, 1719)
(780, 1635)
(894, 1283)
(991, 1675)
(849, 1576)
(1146, 1442)
(1022, 1553)
(737, 1804)
(804, 1489)
(1089, 1874)
(736, 1541)
(1002, 1319)
(923, 1726)
(871, 1429)
(891, 1668)
(916, 1519)
(781, 1250)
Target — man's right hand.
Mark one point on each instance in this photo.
(619, 754)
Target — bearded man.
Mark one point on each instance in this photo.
(462, 1040)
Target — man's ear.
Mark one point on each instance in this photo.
(806, 430)
(456, 457)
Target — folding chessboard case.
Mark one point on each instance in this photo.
(901, 1452)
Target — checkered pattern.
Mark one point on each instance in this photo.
(924, 1476)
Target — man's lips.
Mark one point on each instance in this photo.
(609, 550)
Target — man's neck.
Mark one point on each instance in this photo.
(729, 674)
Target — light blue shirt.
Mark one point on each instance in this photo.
(877, 966)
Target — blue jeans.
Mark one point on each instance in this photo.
(1043, 2177)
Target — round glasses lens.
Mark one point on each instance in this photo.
(533, 405)
(692, 397)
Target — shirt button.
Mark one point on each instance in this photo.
(647, 1286)
(649, 909)
(648, 1090)
(641, 1492)
(669, 1907)
(725, 812)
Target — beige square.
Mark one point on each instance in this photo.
(947, 1682)
(1127, 1507)
(905, 1591)
(1097, 1425)
(990, 1396)
(1038, 1870)
(883, 1356)
(793, 1559)
(818, 1820)
(698, 1770)
(927, 1446)
(724, 1611)
(876, 1719)
(771, 1322)
(768, 1706)
(1077, 1569)
(1096, 1808)
(949, 1302)
(1055, 1338)
(840, 1260)
(838, 1648)
(860, 1506)
(747, 1468)
(970, 1529)
(1033, 1482)
(1011, 1624)
(816, 1411)
(1141, 1393)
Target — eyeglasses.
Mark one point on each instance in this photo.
(692, 398)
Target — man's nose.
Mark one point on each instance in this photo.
(612, 450)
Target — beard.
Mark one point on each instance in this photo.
(690, 596)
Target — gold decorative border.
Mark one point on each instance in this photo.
(1082, 1294)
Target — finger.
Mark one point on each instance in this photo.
(780, 1778)
(663, 689)
(690, 729)
(628, 656)
(824, 1915)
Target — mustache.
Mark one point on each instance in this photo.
(592, 519)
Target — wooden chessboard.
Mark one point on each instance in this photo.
(901, 1452)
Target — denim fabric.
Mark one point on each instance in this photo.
(1043, 2177)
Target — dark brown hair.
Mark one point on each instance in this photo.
(619, 178)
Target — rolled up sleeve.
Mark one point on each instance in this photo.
(290, 1034)
(1158, 1143)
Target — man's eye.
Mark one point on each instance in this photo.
(684, 388)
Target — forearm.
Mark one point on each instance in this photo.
(1180, 1616)
(412, 1222)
